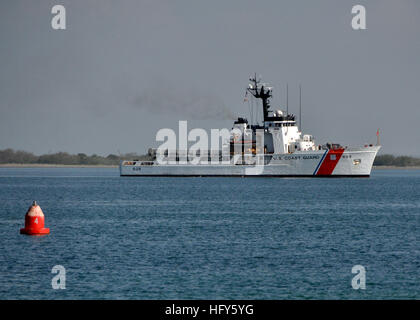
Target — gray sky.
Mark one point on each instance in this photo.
(124, 69)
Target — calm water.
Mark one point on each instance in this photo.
(210, 238)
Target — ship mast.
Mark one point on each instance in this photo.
(260, 91)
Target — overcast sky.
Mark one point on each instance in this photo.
(124, 69)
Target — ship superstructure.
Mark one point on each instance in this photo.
(276, 148)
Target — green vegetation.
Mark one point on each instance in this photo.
(400, 161)
(23, 157)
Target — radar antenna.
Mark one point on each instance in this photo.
(260, 91)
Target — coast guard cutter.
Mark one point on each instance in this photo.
(275, 148)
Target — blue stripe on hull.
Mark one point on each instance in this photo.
(319, 164)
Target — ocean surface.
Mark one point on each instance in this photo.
(210, 238)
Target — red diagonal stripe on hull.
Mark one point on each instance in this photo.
(328, 165)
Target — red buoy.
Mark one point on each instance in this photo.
(34, 221)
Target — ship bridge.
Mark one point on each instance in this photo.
(281, 133)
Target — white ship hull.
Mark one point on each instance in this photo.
(321, 163)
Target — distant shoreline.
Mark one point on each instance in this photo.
(46, 165)
(396, 167)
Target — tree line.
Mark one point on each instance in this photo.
(23, 157)
(399, 161)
